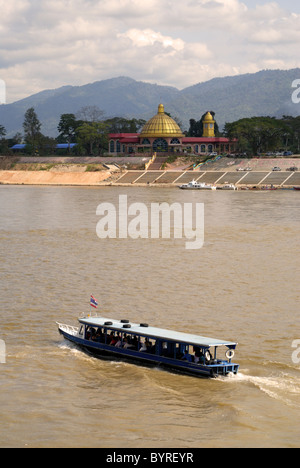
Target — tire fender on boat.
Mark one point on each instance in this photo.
(230, 354)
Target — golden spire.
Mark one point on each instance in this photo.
(161, 109)
(208, 126)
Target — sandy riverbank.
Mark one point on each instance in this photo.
(53, 178)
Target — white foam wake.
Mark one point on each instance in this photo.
(284, 387)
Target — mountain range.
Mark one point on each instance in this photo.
(266, 93)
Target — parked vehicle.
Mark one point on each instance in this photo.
(293, 168)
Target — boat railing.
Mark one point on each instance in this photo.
(90, 314)
(68, 328)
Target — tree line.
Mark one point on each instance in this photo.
(257, 135)
(89, 130)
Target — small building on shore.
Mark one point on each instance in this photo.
(161, 134)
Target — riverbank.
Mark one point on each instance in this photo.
(242, 180)
(244, 173)
(53, 178)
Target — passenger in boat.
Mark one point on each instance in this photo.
(93, 334)
(143, 348)
(187, 357)
(199, 356)
(112, 339)
(146, 347)
(134, 342)
(127, 344)
(202, 359)
(99, 335)
(199, 359)
(119, 342)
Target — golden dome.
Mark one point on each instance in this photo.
(161, 126)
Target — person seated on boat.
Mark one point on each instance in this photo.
(199, 356)
(113, 339)
(134, 342)
(99, 335)
(119, 342)
(200, 359)
(127, 344)
(143, 348)
(149, 346)
(187, 356)
(93, 334)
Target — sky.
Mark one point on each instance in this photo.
(45, 44)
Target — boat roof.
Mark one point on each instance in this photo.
(153, 332)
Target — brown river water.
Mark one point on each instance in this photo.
(243, 286)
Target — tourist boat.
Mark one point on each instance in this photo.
(227, 187)
(193, 185)
(149, 346)
(271, 187)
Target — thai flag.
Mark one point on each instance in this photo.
(93, 302)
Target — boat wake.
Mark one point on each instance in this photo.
(75, 351)
(284, 387)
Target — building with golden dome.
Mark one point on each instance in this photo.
(161, 134)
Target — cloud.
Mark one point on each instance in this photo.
(148, 37)
(50, 43)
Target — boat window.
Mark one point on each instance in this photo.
(147, 345)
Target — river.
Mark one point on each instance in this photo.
(242, 285)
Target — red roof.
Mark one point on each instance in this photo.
(135, 138)
(206, 140)
(123, 135)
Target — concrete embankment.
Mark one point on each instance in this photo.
(150, 178)
(89, 172)
(240, 179)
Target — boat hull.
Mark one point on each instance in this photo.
(196, 188)
(102, 351)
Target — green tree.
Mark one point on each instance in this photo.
(93, 137)
(47, 145)
(3, 141)
(122, 125)
(67, 128)
(90, 114)
(32, 129)
(258, 134)
(196, 127)
(2, 131)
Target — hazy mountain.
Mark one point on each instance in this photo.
(264, 93)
